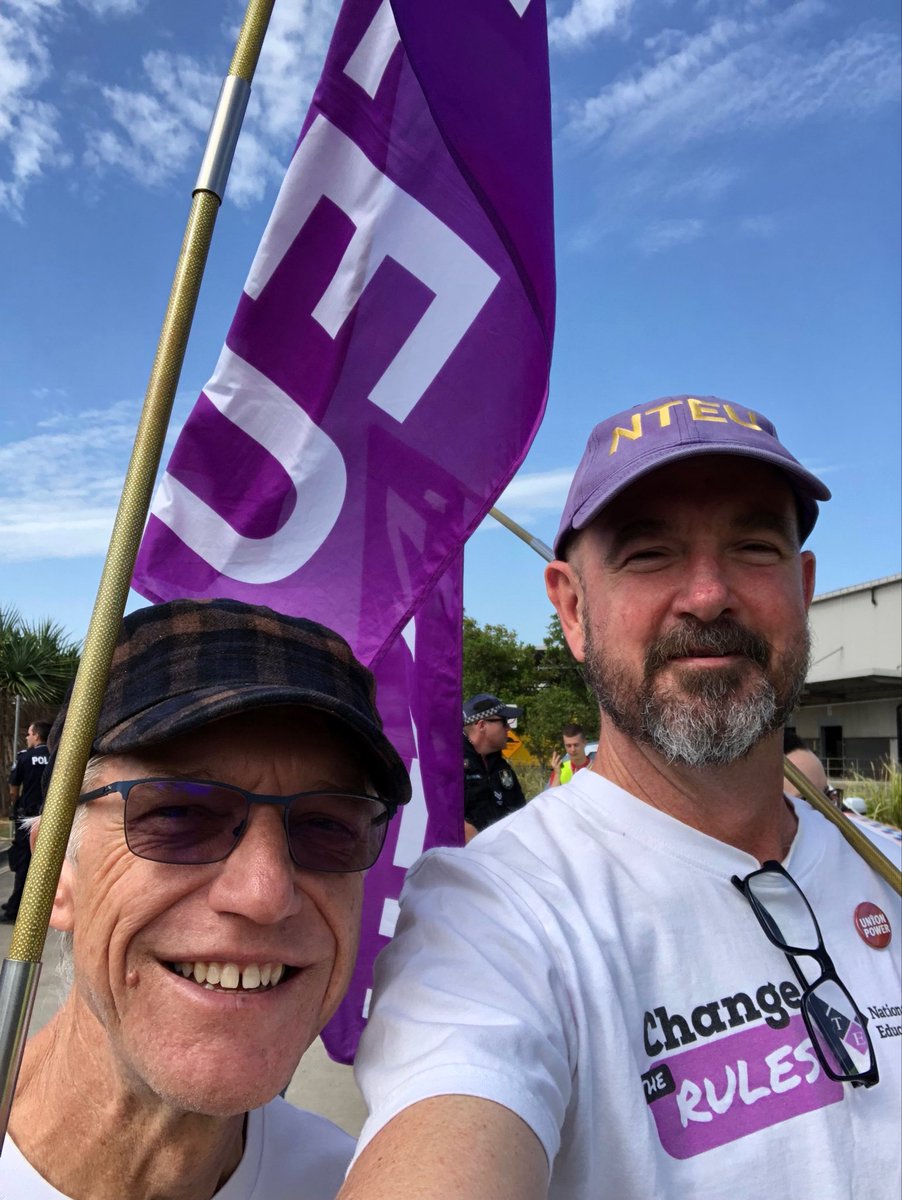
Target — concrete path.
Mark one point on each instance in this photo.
(318, 1084)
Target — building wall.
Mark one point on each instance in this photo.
(857, 631)
(856, 635)
(869, 732)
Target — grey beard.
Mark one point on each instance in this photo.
(706, 722)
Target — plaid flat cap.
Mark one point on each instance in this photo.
(180, 665)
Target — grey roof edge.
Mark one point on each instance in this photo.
(858, 587)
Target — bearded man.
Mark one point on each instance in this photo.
(683, 983)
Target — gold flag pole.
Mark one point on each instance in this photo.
(850, 831)
(21, 969)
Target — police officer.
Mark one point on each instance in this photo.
(491, 789)
(25, 793)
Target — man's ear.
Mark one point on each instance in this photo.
(62, 915)
(808, 574)
(566, 594)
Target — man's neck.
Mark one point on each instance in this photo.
(70, 1094)
(740, 804)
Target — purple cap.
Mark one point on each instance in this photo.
(631, 444)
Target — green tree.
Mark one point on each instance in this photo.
(37, 662)
(561, 696)
(546, 681)
(496, 661)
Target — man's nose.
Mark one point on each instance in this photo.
(705, 592)
(258, 880)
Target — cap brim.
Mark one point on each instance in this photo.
(181, 714)
(805, 485)
(510, 711)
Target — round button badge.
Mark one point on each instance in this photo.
(873, 925)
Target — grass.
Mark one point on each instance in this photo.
(533, 779)
(883, 795)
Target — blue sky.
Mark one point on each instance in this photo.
(727, 209)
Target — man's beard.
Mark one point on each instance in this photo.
(713, 715)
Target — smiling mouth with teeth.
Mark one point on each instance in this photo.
(227, 976)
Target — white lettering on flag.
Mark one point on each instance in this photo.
(414, 816)
(391, 910)
(367, 64)
(309, 457)
(389, 223)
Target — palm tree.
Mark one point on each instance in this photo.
(37, 663)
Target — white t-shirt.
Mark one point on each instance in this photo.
(289, 1154)
(588, 964)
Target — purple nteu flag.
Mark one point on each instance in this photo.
(382, 379)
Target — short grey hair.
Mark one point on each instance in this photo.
(65, 963)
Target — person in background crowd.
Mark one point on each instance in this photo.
(810, 766)
(26, 797)
(563, 770)
(491, 787)
(664, 978)
(239, 787)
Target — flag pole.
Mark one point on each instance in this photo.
(543, 550)
(849, 830)
(21, 969)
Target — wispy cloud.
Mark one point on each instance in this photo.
(764, 225)
(60, 486)
(154, 132)
(584, 20)
(752, 73)
(828, 468)
(115, 8)
(664, 235)
(706, 184)
(533, 493)
(48, 394)
(695, 112)
(29, 125)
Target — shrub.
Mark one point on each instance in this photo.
(883, 795)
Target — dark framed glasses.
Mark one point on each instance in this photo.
(835, 1024)
(191, 821)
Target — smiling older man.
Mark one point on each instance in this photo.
(662, 979)
(240, 786)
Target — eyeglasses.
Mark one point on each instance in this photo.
(834, 795)
(190, 821)
(835, 1024)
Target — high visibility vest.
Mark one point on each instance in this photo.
(567, 769)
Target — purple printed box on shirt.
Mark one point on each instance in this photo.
(733, 1086)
